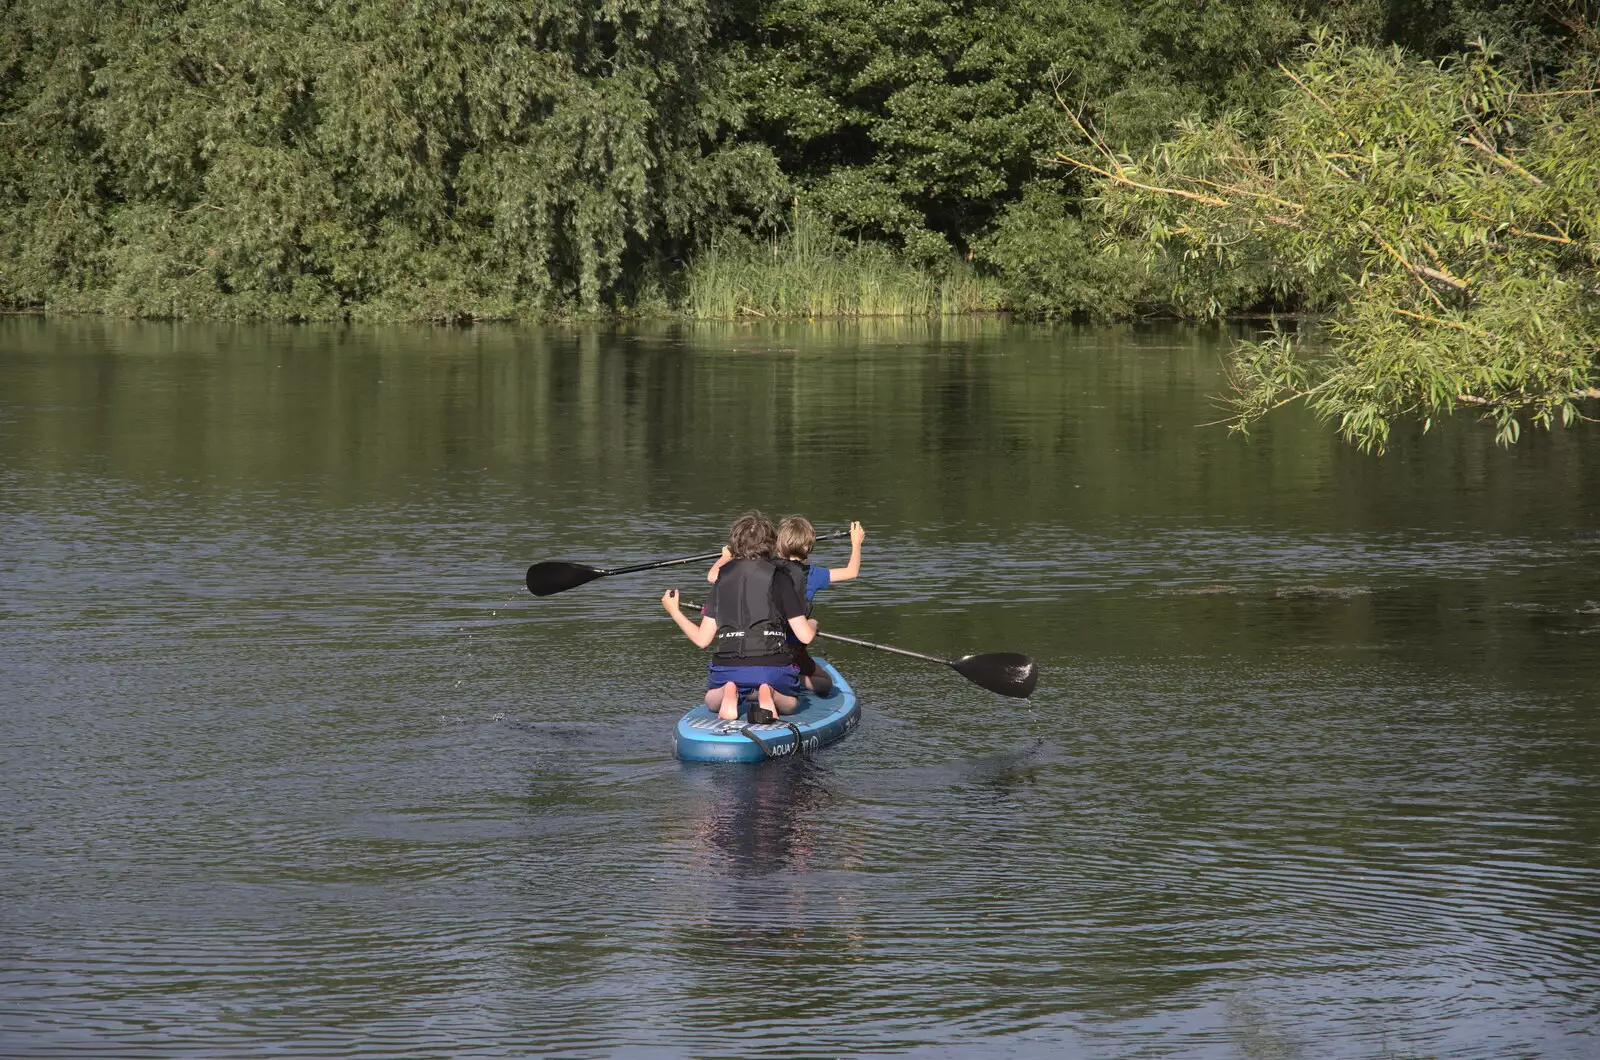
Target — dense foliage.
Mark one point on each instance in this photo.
(468, 159)
(921, 119)
(1445, 214)
(434, 157)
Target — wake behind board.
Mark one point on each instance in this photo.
(703, 737)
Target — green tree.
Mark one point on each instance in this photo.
(1444, 213)
(436, 158)
(921, 120)
(1154, 66)
(448, 159)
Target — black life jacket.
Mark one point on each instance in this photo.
(798, 573)
(748, 623)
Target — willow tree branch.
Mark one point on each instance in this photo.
(1234, 189)
(1307, 89)
(1563, 240)
(1473, 399)
(1130, 182)
(1446, 323)
(1422, 272)
(1473, 141)
(1095, 139)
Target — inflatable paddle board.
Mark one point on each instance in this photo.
(703, 737)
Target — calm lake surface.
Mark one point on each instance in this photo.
(291, 764)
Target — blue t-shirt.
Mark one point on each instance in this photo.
(816, 579)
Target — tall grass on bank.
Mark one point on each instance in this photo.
(808, 271)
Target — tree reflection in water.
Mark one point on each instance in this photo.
(762, 818)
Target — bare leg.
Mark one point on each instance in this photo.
(811, 674)
(724, 700)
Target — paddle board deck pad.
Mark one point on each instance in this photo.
(703, 737)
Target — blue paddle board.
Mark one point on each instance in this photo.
(703, 737)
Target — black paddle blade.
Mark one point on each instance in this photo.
(555, 576)
(1004, 672)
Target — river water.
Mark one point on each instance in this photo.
(291, 764)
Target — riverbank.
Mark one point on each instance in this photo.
(801, 269)
(735, 279)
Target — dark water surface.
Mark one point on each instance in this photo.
(290, 765)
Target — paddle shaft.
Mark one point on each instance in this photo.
(883, 647)
(637, 567)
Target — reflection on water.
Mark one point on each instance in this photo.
(762, 819)
(290, 762)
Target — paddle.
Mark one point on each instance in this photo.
(557, 576)
(1004, 672)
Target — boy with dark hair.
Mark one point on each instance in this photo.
(796, 537)
(751, 609)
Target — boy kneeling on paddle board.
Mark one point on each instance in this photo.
(751, 608)
(796, 538)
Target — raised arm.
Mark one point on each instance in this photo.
(853, 568)
(701, 635)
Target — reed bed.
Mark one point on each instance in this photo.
(808, 271)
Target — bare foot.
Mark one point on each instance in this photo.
(728, 706)
(764, 699)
